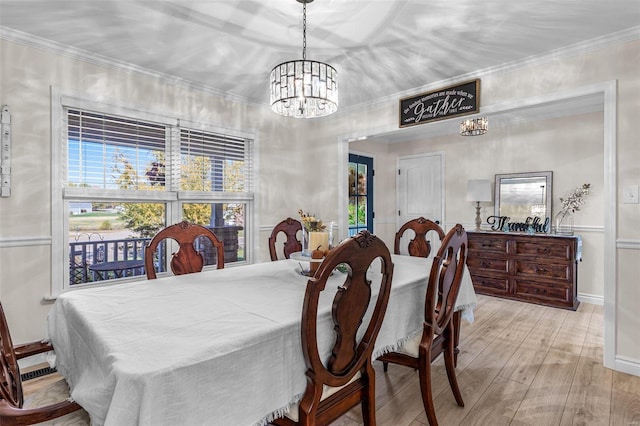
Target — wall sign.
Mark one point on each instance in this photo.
(532, 225)
(461, 99)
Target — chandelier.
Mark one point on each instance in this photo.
(302, 88)
(474, 127)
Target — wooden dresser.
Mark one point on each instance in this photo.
(539, 269)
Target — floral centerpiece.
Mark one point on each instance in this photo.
(570, 205)
(314, 234)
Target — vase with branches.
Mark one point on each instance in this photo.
(570, 204)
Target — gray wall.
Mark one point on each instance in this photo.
(314, 154)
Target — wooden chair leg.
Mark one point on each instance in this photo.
(424, 374)
(369, 402)
(307, 411)
(449, 362)
(456, 336)
(427, 394)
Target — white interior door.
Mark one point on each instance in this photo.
(420, 191)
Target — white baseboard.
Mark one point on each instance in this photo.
(627, 365)
(33, 360)
(591, 298)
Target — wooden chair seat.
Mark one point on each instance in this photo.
(412, 346)
(327, 391)
(44, 405)
(53, 393)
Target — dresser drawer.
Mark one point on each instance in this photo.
(541, 291)
(532, 268)
(559, 249)
(485, 284)
(481, 243)
(478, 264)
(555, 271)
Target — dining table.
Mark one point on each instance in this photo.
(219, 347)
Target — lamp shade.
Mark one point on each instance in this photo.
(479, 190)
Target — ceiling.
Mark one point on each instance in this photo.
(380, 48)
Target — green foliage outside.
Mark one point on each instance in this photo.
(144, 218)
(148, 218)
(361, 214)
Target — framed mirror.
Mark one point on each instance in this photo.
(523, 195)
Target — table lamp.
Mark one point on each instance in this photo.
(478, 190)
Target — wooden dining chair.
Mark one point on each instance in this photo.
(13, 409)
(347, 377)
(290, 228)
(186, 259)
(445, 277)
(420, 245)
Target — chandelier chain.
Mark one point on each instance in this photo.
(304, 30)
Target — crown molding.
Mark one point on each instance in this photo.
(56, 48)
(624, 36)
(587, 46)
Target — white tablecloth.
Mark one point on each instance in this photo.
(219, 347)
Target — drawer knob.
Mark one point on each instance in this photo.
(543, 250)
(541, 270)
(485, 264)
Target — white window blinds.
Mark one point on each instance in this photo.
(111, 152)
(213, 162)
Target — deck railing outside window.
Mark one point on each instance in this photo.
(83, 254)
(97, 250)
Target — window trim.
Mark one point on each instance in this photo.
(62, 195)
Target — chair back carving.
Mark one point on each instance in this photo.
(351, 354)
(186, 259)
(290, 227)
(419, 246)
(445, 278)
(11, 394)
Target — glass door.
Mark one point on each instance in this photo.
(360, 194)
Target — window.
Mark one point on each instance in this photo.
(127, 174)
(360, 194)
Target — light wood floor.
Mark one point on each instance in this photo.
(519, 364)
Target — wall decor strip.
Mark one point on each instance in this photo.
(25, 242)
